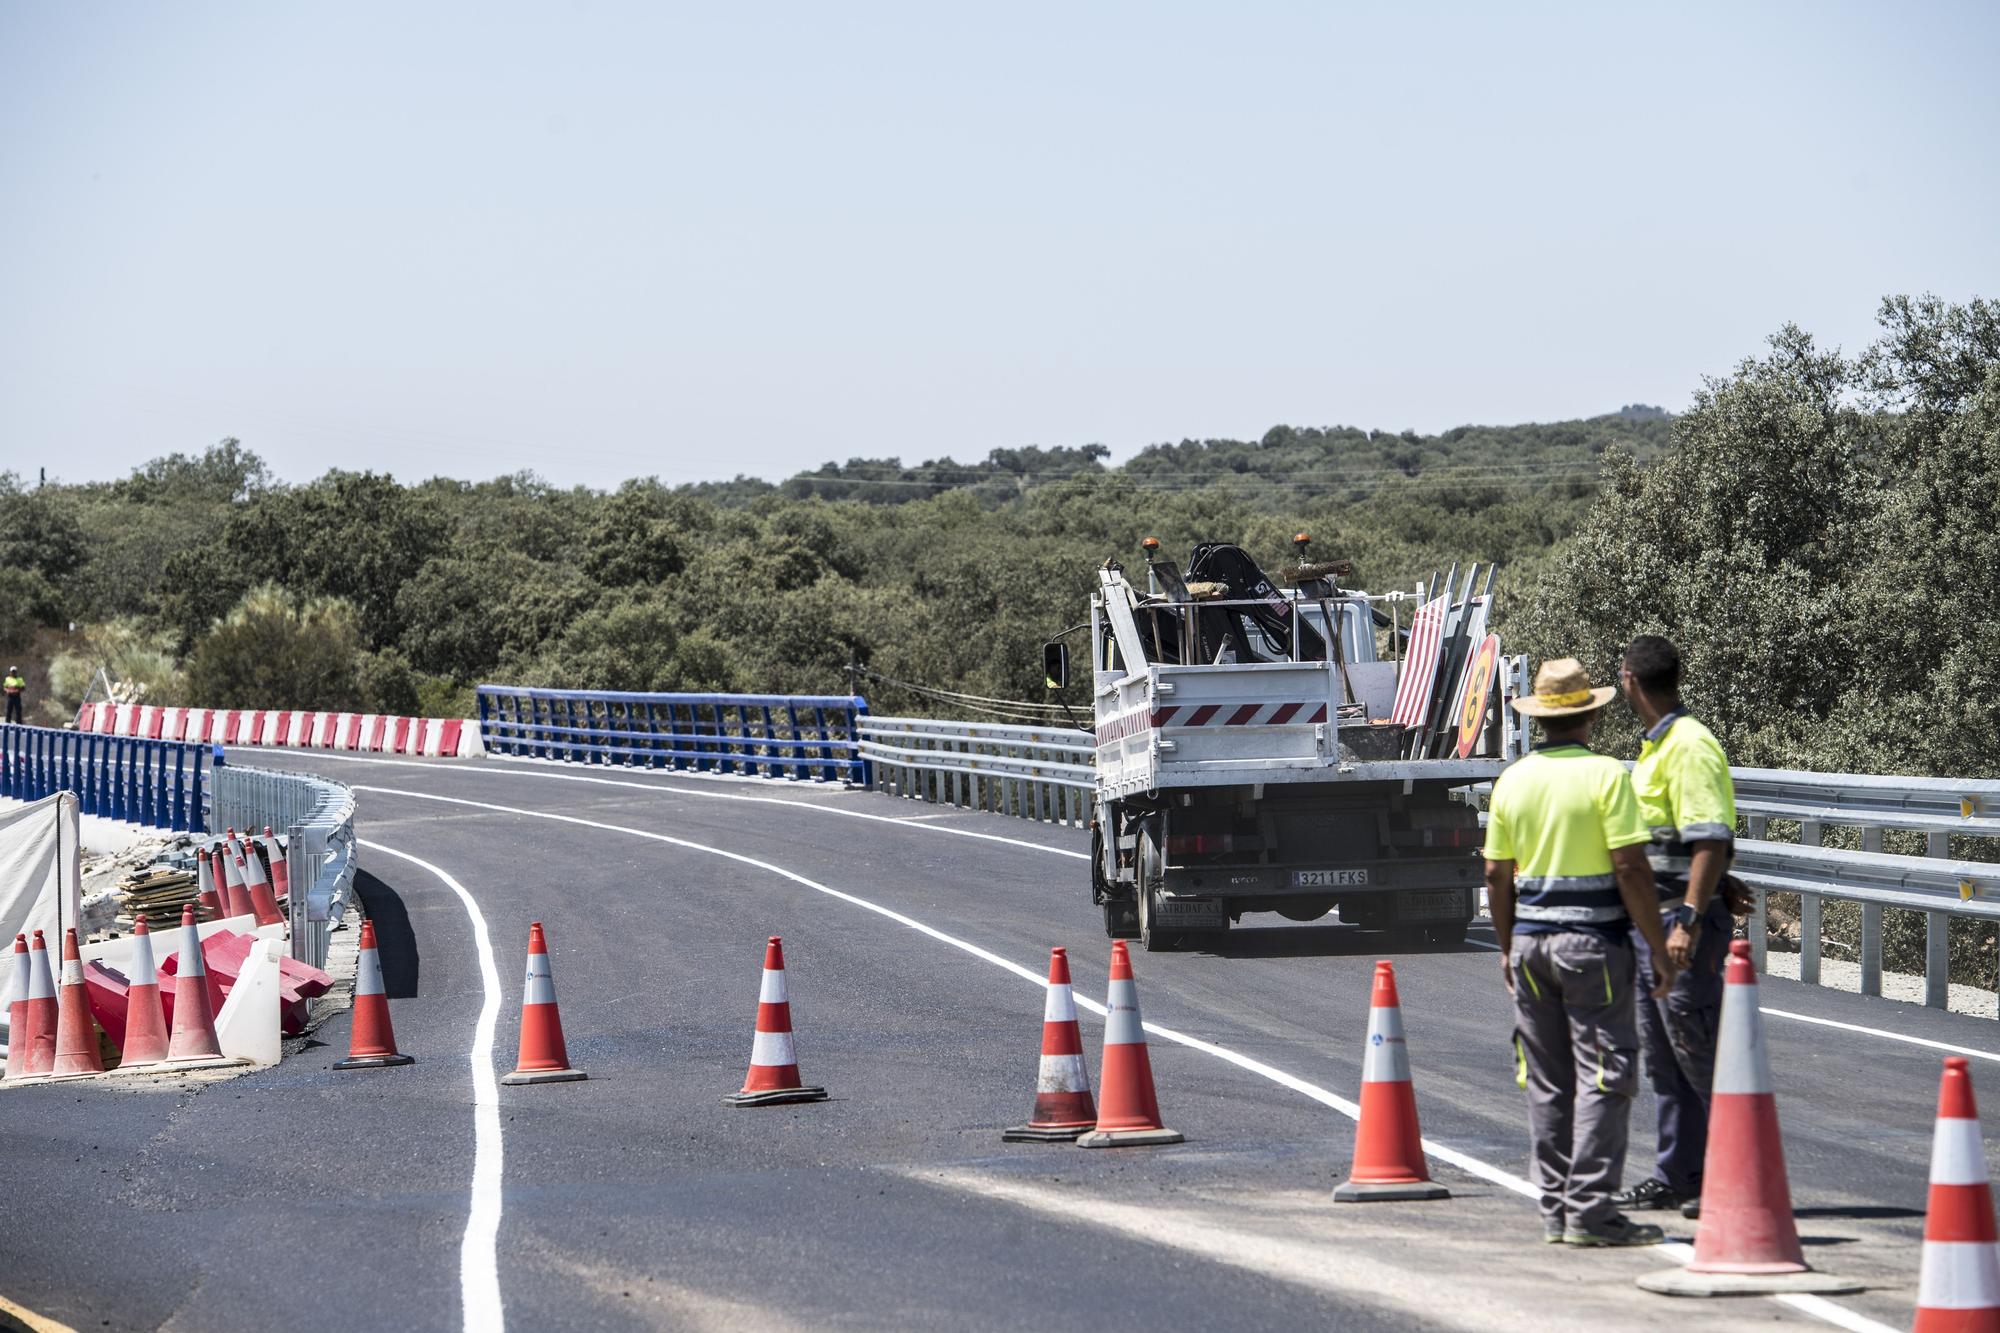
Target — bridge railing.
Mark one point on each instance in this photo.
(126, 778)
(801, 737)
(1042, 773)
(318, 817)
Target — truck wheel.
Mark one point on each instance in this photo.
(1121, 918)
(1152, 884)
(1446, 936)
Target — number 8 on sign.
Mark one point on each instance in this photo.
(1478, 690)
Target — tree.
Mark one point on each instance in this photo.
(275, 650)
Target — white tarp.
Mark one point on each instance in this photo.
(41, 879)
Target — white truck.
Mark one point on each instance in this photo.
(1256, 753)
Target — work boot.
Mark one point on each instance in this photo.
(1649, 1194)
(1692, 1209)
(1617, 1230)
(1552, 1231)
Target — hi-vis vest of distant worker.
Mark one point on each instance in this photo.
(15, 684)
(1685, 795)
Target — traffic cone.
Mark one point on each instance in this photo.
(1063, 1109)
(281, 874)
(1959, 1290)
(371, 1043)
(543, 1058)
(1388, 1146)
(263, 905)
(235, 891)
(145, 1018)
(76, 1031)
(1746, 1241)
(208, 892)
(194, 1021)
(39, 1019)
(1128, 1114)
(17, 1011)
(774, 1065)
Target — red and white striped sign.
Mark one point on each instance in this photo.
(1239, 715)
(1419, 679)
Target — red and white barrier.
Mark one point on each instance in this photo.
(375, 733)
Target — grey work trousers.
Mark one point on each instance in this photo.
(1577, 1047)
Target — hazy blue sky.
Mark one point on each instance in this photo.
(603, 240)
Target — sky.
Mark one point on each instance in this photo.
(600, 241)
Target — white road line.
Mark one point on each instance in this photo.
(1463, 1161)
(717, 796)
(479, 1251)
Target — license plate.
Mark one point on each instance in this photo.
(1431, 905)
(1329, 879)
(1193, 913)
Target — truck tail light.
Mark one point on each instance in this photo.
(1200, 844)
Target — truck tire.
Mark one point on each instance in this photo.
(1152, 873)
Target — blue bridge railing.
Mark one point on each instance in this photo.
(127, 778)
(804, 737)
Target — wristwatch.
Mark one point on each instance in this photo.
(1687, 918)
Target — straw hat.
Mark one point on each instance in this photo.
(1563, 689)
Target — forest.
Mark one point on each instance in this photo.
(1819, 530)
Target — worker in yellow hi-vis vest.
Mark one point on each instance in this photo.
(16, 684)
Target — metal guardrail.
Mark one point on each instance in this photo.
(134, 781)
(1042, 773)
(318, 817)
(1047, 773)
(804, 737)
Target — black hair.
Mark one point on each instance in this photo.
(1569, 727)
(1655, 664)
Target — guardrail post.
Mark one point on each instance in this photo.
(1871, 926)
(1937, 936)
(1809, 914)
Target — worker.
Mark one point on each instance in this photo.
(1567, 879)
(15, 684)
(1682, 781)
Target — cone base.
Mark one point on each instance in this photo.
(521, 1076)
(1681, 1282)
(1044, 1133)
(1130, 1138)
(1358, 1192)
(374, 1061)
(775, 1097)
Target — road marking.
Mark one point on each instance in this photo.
(479, 1251)
(1463, 1161)
(28, 1319)
(720, 796)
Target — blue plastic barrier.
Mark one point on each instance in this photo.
(127, 778)
(762, 735)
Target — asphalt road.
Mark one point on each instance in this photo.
(305, 1198)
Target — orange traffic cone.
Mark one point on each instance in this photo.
(543, 1057)
(372, 1042)
(37, 1029)
(209, 890)
(281, 875)
(1388, 1146)
(1128, 1113)
(145, 1018)
(194, 1021)
(235, 892)
(1959, 1290)
(17, 1011)
(774, 1065)
(1063, 1108)
(76, 1031)
(263, 904)
(1746, 1240)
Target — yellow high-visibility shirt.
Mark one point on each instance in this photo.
(1558, 814)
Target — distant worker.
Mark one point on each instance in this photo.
(1567, 879)
(1685, 793)
(15, 684)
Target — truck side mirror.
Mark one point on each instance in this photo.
(1055, 664)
